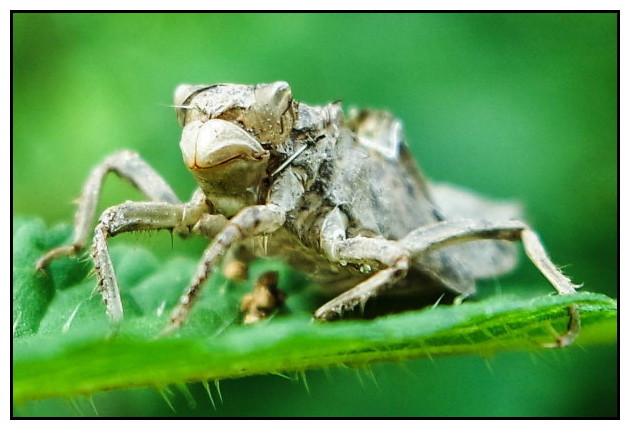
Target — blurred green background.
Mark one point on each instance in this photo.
(513, 105)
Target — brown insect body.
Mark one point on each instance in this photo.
(362, 168)
(339, 198)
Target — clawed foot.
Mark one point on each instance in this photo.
(573, 329)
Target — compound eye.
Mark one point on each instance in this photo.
(279, 94)
(272, 112)
(182, 97)
(274, 99)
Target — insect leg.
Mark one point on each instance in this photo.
(251, 221)
(433, 237)
(129, 166)
(364, 250)
(235, 266)
(430, 238)
(134, 216)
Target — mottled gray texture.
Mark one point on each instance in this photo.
(340, 199)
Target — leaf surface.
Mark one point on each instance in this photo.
(64, 345)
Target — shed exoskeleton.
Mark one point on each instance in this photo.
(339, 198)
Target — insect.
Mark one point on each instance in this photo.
(339, 198)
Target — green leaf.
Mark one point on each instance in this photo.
(64, 345)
